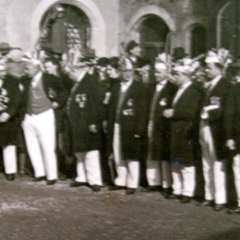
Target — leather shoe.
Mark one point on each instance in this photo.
(206, 203)
(39, 179)
(185, 199)
(10, 177)
(152, 189)
(115, 188)
(130, 191)
(96, 188)
(78, 184)
(51, 182)
(219, 207)
(173, 196)
(234, 211)
(166, 192)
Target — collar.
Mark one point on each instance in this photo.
(125, 85)
(185, 85)
(81, 76)
(215, 81)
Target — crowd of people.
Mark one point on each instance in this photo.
(106, 121)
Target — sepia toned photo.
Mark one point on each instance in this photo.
(120, 119)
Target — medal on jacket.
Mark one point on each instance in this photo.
(215, 101)
(3, 99)
(51, 93)
(81, 99)
(107, 98)
(130, 102)
(163, 102)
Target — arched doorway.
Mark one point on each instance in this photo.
(64, 29)
(153, 35)
(198, 40)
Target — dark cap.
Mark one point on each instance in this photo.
(4, 47)
(179, 53)
(132, 44)
(102, 62)
(141, 62)
(114, 62)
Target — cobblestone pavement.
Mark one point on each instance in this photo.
(34, 211)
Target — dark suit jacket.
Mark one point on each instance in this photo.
(232, 115)
(53, 89)
(132, 119)
(82, 109)
(218, 95)
(9, 103)
(159, 143)
(184, 125)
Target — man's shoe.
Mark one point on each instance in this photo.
(166, 192)
(173, 196)
(206, 203)
(130, 191)
(219, 207)
(96, 188)
(79, 184)
(115, 188)
(234, 211)
(51, 182)
(185, 199)
(152, 189)
(39, 179)
(10, 177)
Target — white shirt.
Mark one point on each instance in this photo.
(36, 79)
(126, 85)
(180, 91)
(214, 82)
(81, 76)
(161, 85)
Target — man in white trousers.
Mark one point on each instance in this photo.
(232, 130)
(43, 92)
(127, 127)
(212, 136)
(9, 103)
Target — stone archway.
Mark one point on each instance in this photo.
(136, 20)
(36, 11)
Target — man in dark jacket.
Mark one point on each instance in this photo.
(43, 93)
(184, 116)
(85, 126)
(232, 130)
(212, 136)
(158, 157)
(127, 126)
(9, 103)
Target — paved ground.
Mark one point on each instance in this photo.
(34, 211)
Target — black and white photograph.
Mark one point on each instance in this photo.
(120, 119)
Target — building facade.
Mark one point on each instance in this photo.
(105, 25)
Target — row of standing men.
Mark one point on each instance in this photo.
(127, 121)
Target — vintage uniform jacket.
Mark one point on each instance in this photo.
(217, 97)
(9, 102)
(132, 118)
(232, 116)
(159, 126)
(82, 110)
(185, 126)
(53, 89)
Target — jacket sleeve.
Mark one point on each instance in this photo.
(15, 97)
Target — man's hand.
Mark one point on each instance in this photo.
(55, 105)
(231, 144)
(168, 113)
(4, 117)
(93, 128)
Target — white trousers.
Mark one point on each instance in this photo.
(39, 131)
(128, 171)
(184, 181)
(214, 171)
(236, 171)
(88, 167)
(10, 159)
(159, 173)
